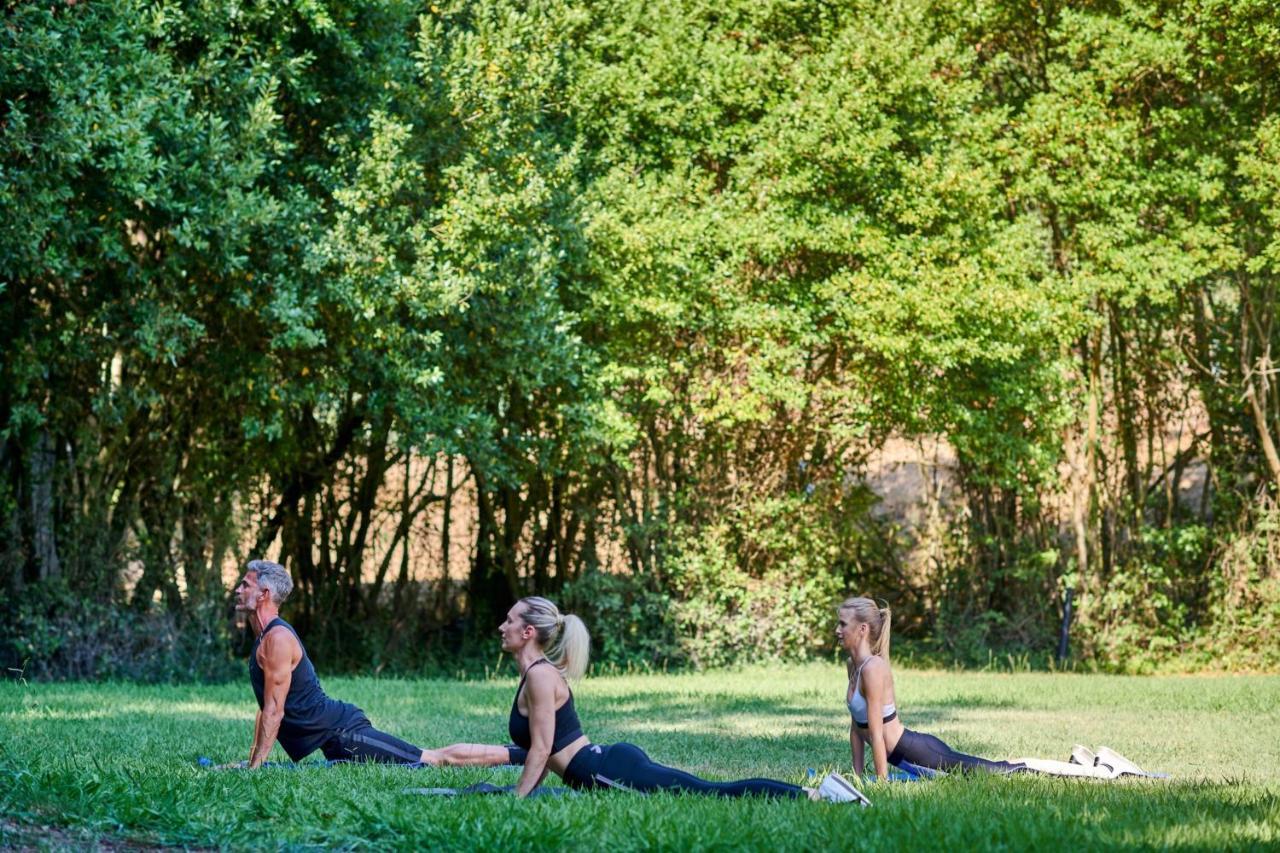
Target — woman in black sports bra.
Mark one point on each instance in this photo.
(550, 648)
(863, 630)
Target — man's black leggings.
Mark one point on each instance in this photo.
(626, 765)
(928, 751)
(362, 742)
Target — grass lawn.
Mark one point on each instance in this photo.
(81, 763)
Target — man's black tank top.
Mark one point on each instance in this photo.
(310, 717)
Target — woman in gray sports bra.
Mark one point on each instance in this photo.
(863, 631)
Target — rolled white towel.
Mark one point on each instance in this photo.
(1083, 755)
(1066, 768)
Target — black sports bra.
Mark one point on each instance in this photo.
(568, 729)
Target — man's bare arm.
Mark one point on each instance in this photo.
(276, 654)
(257, 733)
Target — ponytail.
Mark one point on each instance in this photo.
(563, 636)
(881, 645)
(573, 649)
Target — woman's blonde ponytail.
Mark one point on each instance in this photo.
(573, 649)
(881, 645)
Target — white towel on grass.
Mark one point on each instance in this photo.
(1066, 768)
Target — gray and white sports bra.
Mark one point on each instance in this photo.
(858, 703)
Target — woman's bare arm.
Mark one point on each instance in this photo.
(855, 740)
(875, 680)
(540, 693)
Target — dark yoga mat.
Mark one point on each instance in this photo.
(487, 788)
(205, 761)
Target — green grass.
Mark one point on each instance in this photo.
(82, 762)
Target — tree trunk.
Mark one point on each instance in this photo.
(44, 538)
(1257, 377)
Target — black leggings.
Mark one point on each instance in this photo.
(362, 742)
(928, 751)
(625, 765)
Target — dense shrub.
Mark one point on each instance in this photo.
(50, 632)
(1244, 598)
(728, 611)
(631, 624)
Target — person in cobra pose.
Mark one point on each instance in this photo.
(295, 711)
(863, 631)
(550, 649)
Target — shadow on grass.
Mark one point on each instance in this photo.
(717, 731)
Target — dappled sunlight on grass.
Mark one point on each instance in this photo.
(118, 758)
(758, 725)
(153, 710)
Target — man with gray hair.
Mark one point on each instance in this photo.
(292, 708)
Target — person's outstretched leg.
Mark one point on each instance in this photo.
(627, 765)
(365, 743)
(474, 755)
(758, 787)
(369, 744)
(929, 751)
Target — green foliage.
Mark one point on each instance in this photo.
(1147, 611)
(645, 293)
(730, 609)
(52, 632)
(1244, 597)
(630, 624)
